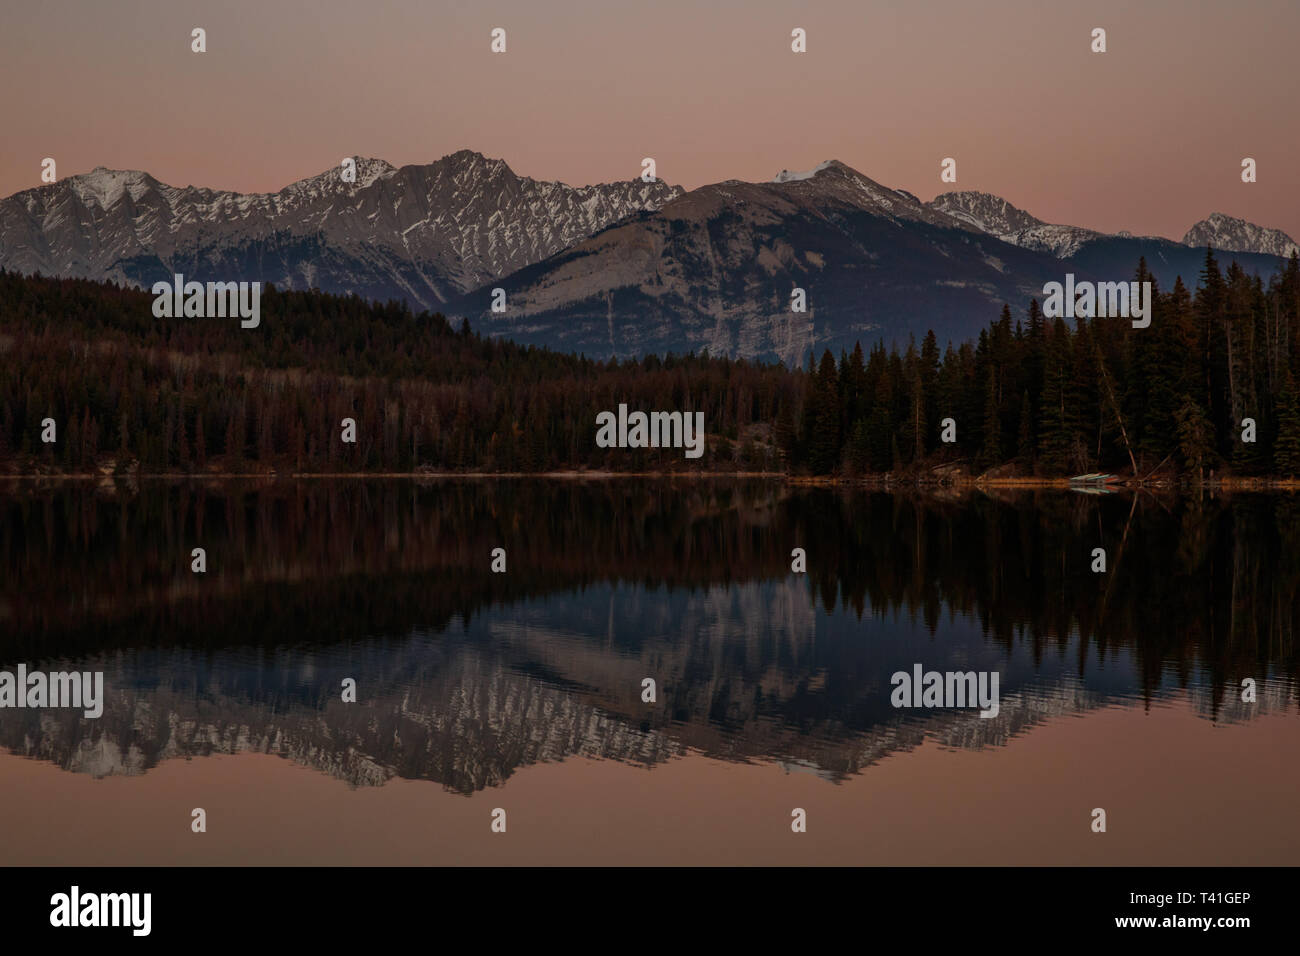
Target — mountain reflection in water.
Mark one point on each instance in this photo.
(464, 676)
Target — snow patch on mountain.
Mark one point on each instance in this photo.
(104, 187)
(1231, 234)
(430, 230)
(995, 216)
(785, 176)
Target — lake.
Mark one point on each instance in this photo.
(524, 691)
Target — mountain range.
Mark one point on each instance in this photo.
(420, 233)
(616, 269)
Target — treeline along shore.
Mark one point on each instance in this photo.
(92, 382)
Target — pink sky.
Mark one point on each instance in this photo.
(1147, 137)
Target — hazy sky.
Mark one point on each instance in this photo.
(1147, 137)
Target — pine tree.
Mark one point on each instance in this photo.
(929, 384)
(1209, 305)
(1286, 449)
(1170, 371)
(880, 433)
(1055, 432)
(859, 451)
(824, 436)
(991, 449)
(1024, 433)
(1195, 438)
(915, 423)
(783, 434)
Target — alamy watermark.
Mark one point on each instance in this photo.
(1088, 300)
(76, 908)
(950, 689)
(26, 688)
(192, 300)
(651, 430)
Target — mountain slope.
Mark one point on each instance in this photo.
(1237, 235)
(1114, 256)
(613, 269)
(715, 268)
(424, 233)
(997, 217)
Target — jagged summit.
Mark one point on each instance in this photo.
(1238, 235)
(104, 187)
(835, 180)
(369, 170)
(785, 176)
(421, 232)
(467, 156)
(468, 161)
(995, 216)
(614, 268)
(985, 211)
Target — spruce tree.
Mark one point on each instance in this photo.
(1024, 433)
(991, 447)
(1195, 438)
(1054, 432)
(1286, 449)
(824, 438)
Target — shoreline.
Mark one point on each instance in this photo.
(880, 482)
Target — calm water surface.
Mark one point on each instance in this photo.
(523, 690)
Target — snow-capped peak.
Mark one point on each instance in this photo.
(461, 221)
(104, 186)
(1231, 234)
(995, 216)
(986, 212)
(785, 176)
(369, 170)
